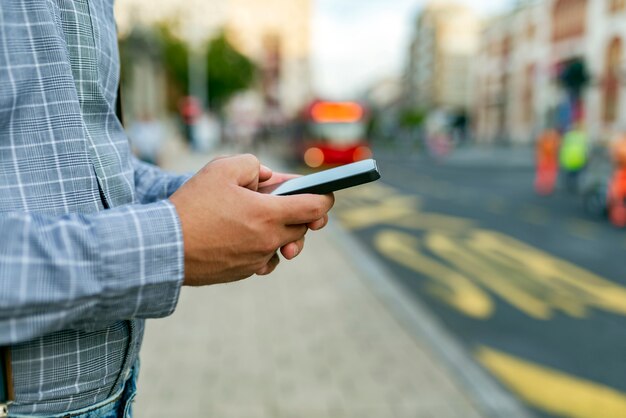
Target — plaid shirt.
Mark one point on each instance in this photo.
(89, 246)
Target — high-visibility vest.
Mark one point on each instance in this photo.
(573, 155)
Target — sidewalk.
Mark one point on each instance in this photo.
(311, 340)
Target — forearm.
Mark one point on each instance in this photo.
(59, 272)
(153, 184)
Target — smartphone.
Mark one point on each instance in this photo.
(327, 181)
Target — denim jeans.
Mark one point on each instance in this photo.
(117, 406)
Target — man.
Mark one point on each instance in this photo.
(93, 241)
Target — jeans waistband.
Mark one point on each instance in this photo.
(125, 394)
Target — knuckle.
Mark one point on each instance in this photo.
(251, 159)
(318, 210)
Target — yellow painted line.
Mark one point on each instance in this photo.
(378, 213)
(448, 285)
(561, 284)
(553, 391)
(535, 215)
(581, 228)
(467, 266)
(487, 272)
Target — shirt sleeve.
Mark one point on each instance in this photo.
(153, 184)
(114, 265)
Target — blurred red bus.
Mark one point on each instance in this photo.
(333, 133)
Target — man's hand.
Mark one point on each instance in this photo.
(268, 179)
(231, 232)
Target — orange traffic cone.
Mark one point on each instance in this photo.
(617, 199)
(547, 163)
(617, 188)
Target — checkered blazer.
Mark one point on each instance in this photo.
(89, 246)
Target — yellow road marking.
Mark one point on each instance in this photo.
(554, 391)
(450, 286)
(379, 213)
(560, 284)
(476, 266)
(466, 265)
(460, 264)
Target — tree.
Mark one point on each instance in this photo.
(412, 118)
(228, 71)
(176, 60)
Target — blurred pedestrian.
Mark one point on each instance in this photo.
(95, 241)
(190, 110)
(244, 113)
(573, 155)
(438, 137)
(208, 133)
(547, 162)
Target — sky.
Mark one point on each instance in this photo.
(357, 42)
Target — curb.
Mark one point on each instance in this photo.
(490, 398)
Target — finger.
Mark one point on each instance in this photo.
(319, 224)
(291, 250)
(292, 233)
(270, 266)
(303, 209)
(244, 170)
(278, 178)
(265, 174)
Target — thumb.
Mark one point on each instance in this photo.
(244, 170)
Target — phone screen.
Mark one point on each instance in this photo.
(328, 181)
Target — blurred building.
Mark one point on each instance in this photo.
(384, 92)
(274, 33)
(512, 64)
(444, 44)
(551, 63)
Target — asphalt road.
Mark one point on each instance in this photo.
(533, 287)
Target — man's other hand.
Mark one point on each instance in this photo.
(231, 232)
